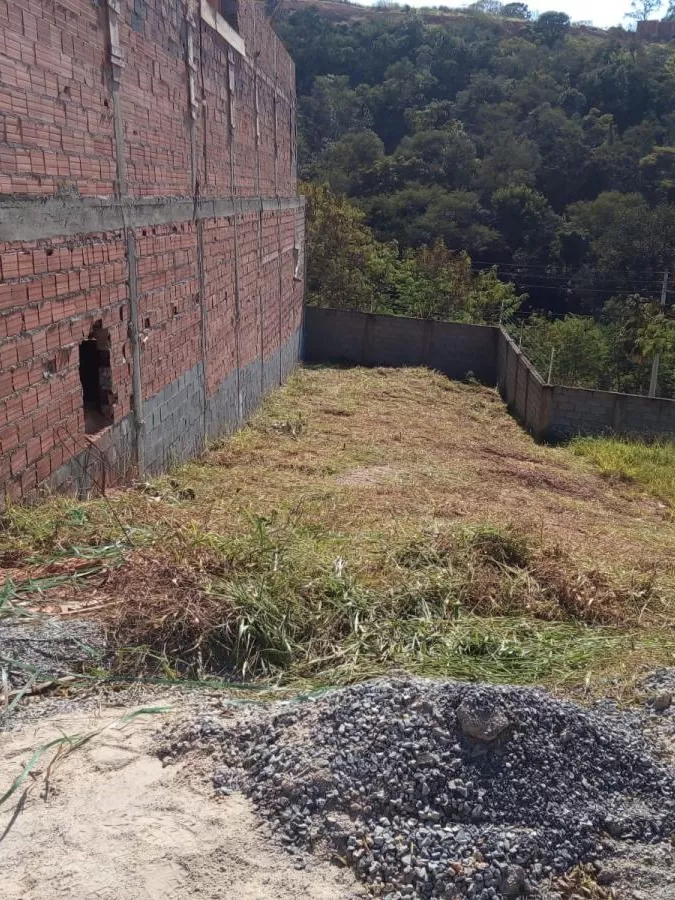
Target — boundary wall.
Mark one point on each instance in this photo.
(550, 412)
(149, 225)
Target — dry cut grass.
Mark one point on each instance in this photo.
(365, 521)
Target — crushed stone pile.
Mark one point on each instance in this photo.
(445, 789)
(47, 647)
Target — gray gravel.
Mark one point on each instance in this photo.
(659, 710)
(434, 789)
(47, 647)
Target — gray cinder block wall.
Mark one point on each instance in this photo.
(549, 412)
(553, 412)
(365, 339)
(574, 411)
(521, 387)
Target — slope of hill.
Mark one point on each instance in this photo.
(545, 152)
(347, 12)
(365, 521)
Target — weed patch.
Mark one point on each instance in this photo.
(647, 466)
(274, 603)
(275, 557)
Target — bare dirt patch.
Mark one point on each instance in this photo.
(532, 477)
(117, 825)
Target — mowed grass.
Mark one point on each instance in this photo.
(365, 521)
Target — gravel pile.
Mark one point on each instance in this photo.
(442, 789)
(44, 647)
(659, 690)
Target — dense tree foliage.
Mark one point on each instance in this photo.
(547, 153)
(349, 267)
(499, 143)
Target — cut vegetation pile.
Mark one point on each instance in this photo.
(364, 521)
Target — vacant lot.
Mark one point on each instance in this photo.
(366, 521)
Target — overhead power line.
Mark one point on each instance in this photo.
(565, 285)
(541, 266)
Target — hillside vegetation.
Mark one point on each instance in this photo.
(333, 539)
(544, 155)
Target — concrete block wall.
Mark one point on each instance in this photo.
(147, 188)
(574, 411)
(346, 336)
(549, 412)
(555, 413)
(521, 387)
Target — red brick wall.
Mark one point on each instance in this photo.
(64, 260)
(169, 310)
(219, 277)
(249, 319)
(154, 99)
(50, 296)
(56, 128)
(290, 315)
(216, 141)
(269, 278)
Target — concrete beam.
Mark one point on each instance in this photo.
(34, 220)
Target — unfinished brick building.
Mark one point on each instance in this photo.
(151, 239)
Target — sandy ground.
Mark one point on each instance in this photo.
(116, 825)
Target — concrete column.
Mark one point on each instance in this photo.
(116, 65)
(232, 119)
(193, 108)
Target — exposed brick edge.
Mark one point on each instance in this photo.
(110, 457)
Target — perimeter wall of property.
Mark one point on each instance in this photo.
(550, 412)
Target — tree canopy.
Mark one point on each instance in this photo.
(494, 145)
(538, 148)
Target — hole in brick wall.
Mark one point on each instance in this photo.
(147, 323)
(174, 311)
(175, 229)
(145, 232)
(98, 396)
(121, 314)
(66, 91)
(105, 103)
(49, 251)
